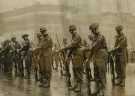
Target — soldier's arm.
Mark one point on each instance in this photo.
(122, 43)
(95, 46)
(74, 43)
(48, 43)
(97, 43)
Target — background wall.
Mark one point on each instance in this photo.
(26, 16)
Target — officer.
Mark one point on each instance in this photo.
(121, 55)
(99, 55)
(46, 60)
(26, 54)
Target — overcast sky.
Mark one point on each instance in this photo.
(92, 5)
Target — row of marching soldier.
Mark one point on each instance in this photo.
(16, 57)
(80, 55)
(25, 60)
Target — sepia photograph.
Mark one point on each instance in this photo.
(67, 48)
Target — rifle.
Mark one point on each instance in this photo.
(111, 62)
(63, 53)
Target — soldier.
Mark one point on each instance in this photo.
(15, 53)
(7, 54)
(46, 61)
(121, 55)
(77, 58)
(99, 55)
(26, 54)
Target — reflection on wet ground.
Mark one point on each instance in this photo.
(15, 86)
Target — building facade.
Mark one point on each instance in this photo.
(26, 17)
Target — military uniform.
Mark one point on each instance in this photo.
(77, 58)
(121, 57)
(46, 60)
(100, 56)
(100, 59)
(77, 61)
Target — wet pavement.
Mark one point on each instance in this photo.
(15, 86)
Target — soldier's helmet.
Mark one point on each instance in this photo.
(43, 30)
(72, 28)
(119, 28)
(13, 38)
(25, 35)
(94, 26)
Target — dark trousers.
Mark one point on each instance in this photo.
(120, 67)
(78, 74)
(100, 75)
